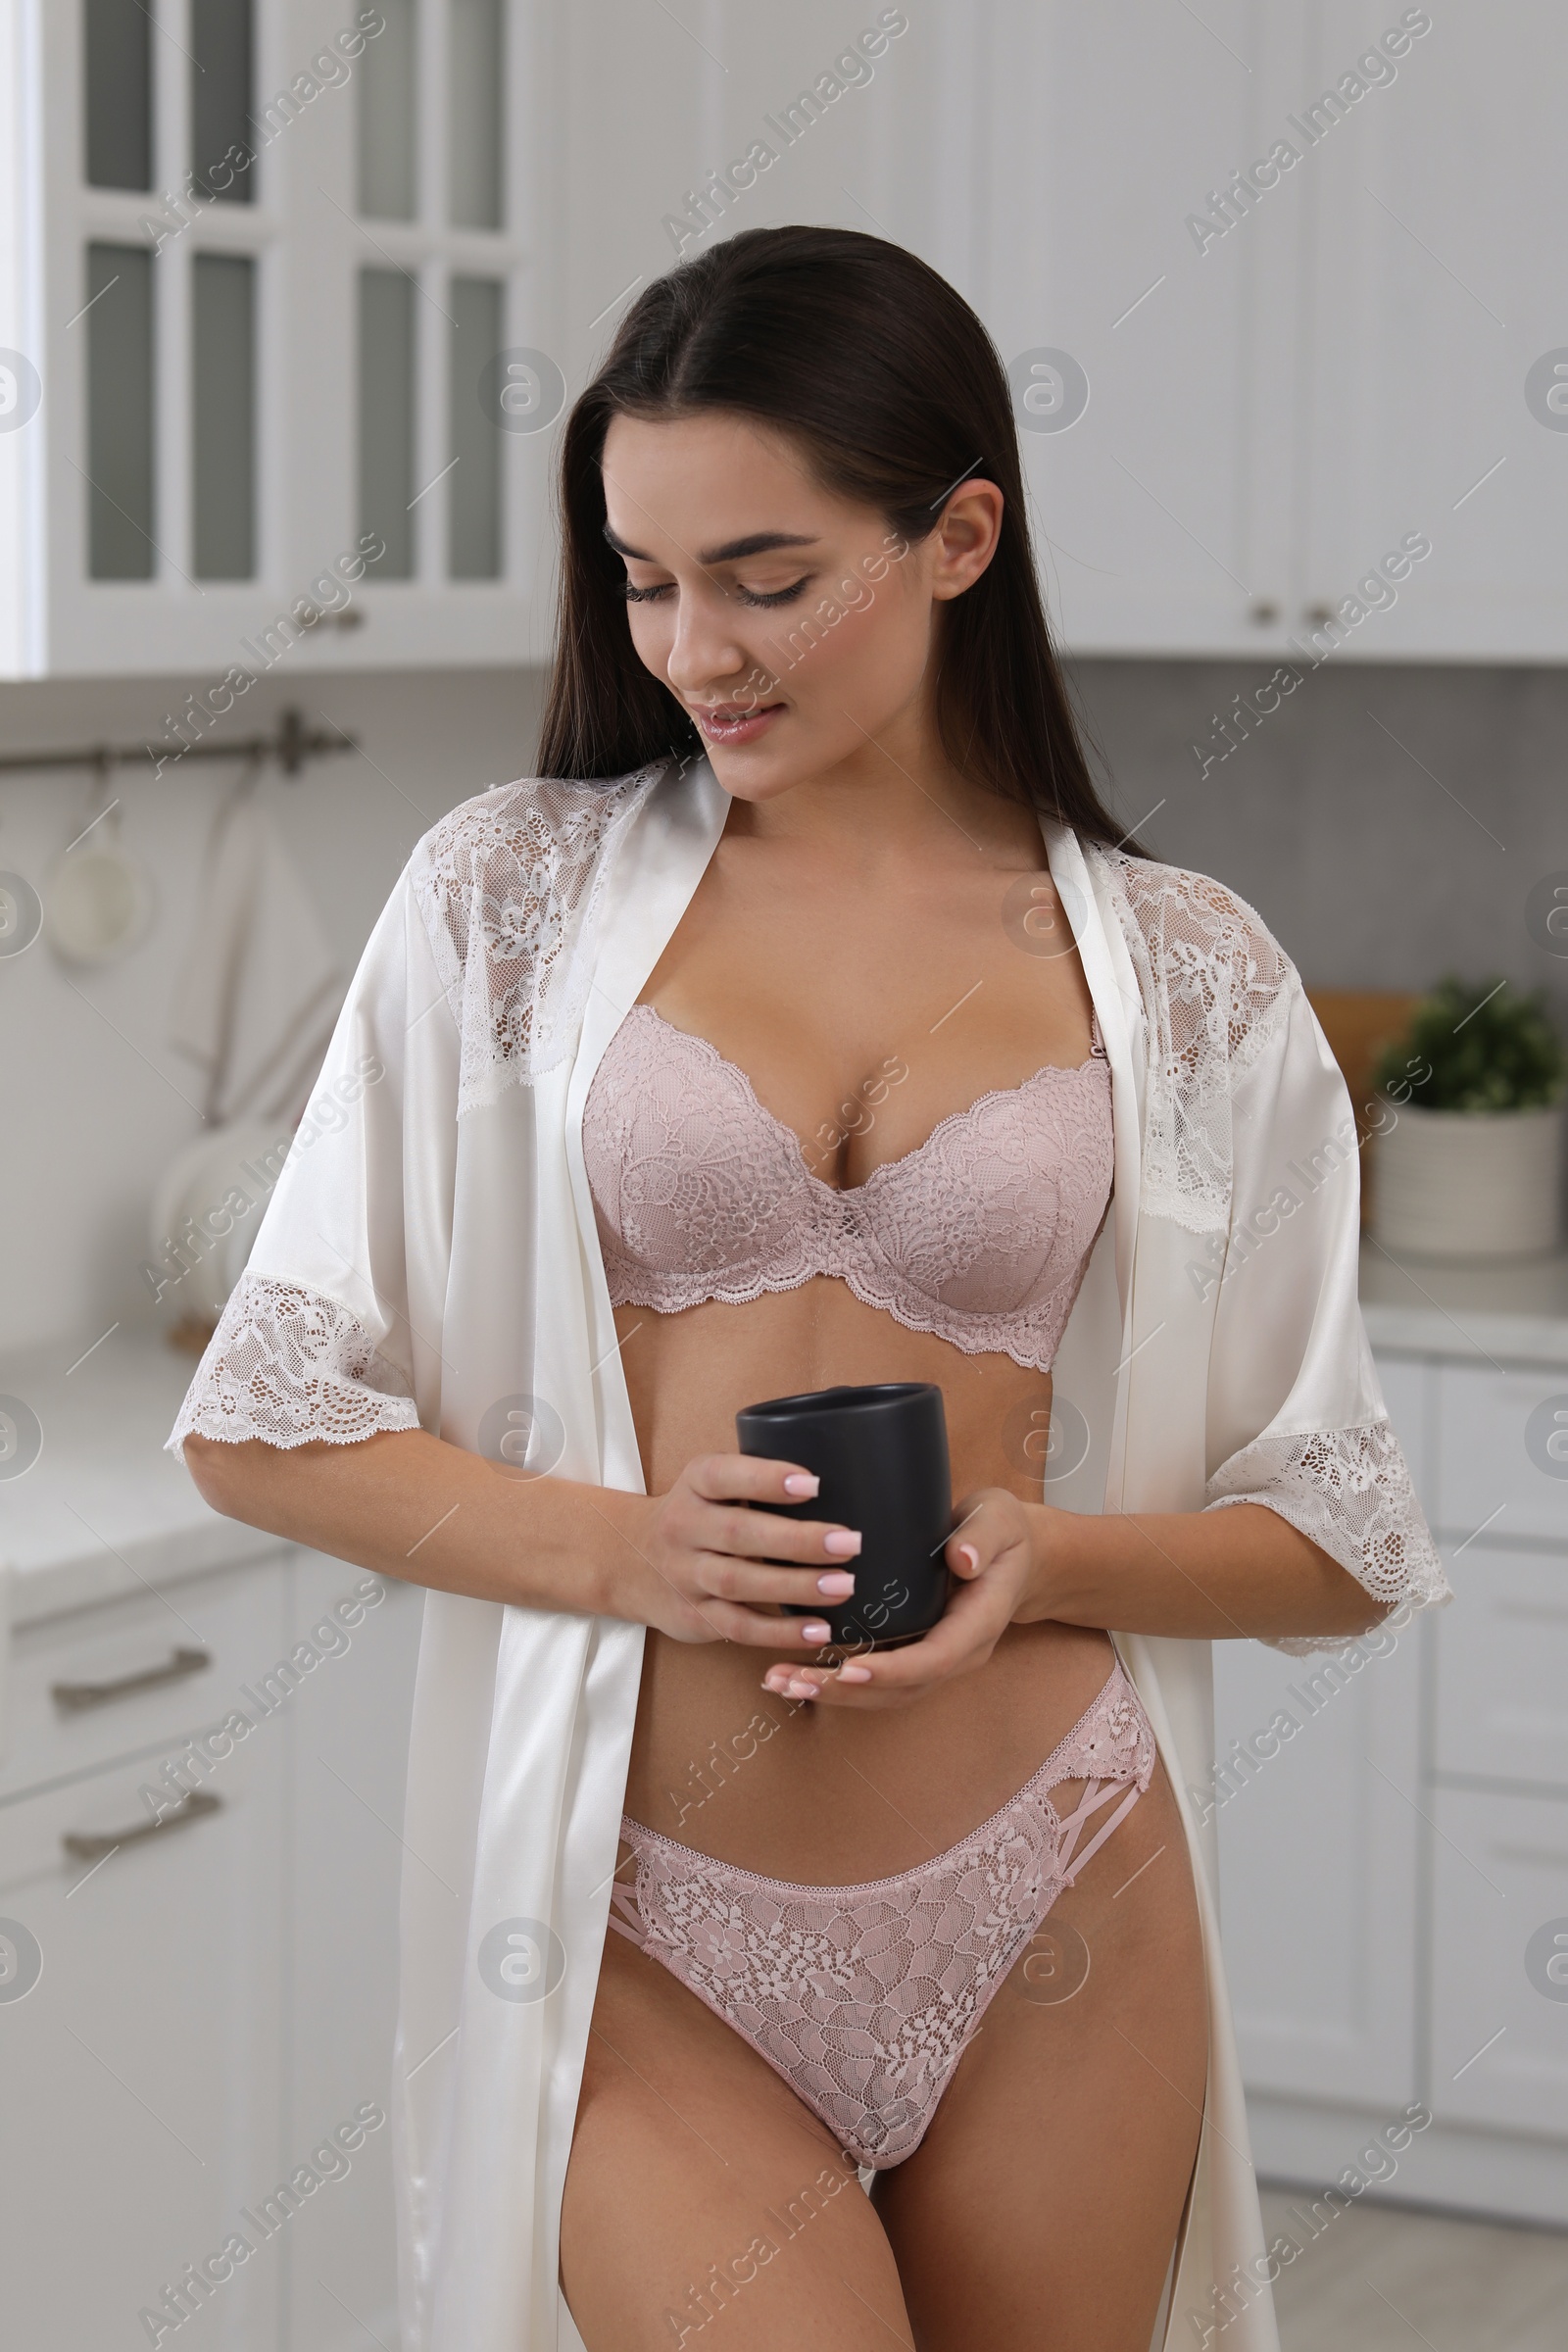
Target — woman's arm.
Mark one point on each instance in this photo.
(1208, 1575)
(408, 1504)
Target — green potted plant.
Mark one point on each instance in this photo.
(1469, 1127)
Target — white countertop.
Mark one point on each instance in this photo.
(1508, 1314)
(103, 1510)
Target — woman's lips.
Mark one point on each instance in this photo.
(724, 722)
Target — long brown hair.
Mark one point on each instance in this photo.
(888, 382)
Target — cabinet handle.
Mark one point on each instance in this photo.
(71, 1696)
(190, 1808)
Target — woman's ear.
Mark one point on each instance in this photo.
(966, 537)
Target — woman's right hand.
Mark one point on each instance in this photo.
(708, 1558)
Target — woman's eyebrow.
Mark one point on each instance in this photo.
(759, 543)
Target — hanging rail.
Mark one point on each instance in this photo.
(291, 744)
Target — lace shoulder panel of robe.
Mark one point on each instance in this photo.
(1216, 985)
(1349, 1490)
(293, 1367)
(509, 885)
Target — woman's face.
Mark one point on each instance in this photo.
(796, 627)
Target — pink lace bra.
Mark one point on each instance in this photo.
(981, 1235)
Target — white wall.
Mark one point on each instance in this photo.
(94, 1101)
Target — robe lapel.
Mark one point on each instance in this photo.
(662, 857)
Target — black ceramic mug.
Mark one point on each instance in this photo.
(881, 1453)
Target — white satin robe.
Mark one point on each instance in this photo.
(430, 1258)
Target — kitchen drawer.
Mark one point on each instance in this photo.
(233, 1618)
(1499, 2022)
(1503, 1454)
(1502, 1668)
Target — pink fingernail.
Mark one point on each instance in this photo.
(842, 1545)
(968, 1551)
(854, 1674)
(803, 1691)
(837, 1586)
(803, 1482)
(815, 1632)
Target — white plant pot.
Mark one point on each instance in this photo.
(1471, 1185)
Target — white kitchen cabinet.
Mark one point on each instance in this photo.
(1395, 1878)
(1499, 2022)
(142, 2091)
(217, 1996)
(1317, 1801)
(1436, 358)
(261, 279)
(1319, 1852)
(1319, 1858)
(1162, 511)
(1300, 374)
(1357, 366)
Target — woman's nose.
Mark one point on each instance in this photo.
(704, 651)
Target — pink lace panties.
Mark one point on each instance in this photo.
(865, 1997)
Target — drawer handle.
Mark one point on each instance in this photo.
(190, 1808)
(73, 1696)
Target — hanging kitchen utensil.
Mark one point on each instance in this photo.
(98, 901)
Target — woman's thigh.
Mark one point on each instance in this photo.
(700, 2189)
(1040, 2210)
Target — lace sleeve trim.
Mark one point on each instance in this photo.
(1215, 986)
(509, 886)
(1349, 1490)
(290, 1366)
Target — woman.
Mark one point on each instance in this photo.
(822, 1029)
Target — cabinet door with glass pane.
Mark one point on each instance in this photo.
(272, 384)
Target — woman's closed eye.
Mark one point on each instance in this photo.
(747, 595)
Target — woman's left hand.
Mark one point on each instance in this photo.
(992, 1551)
